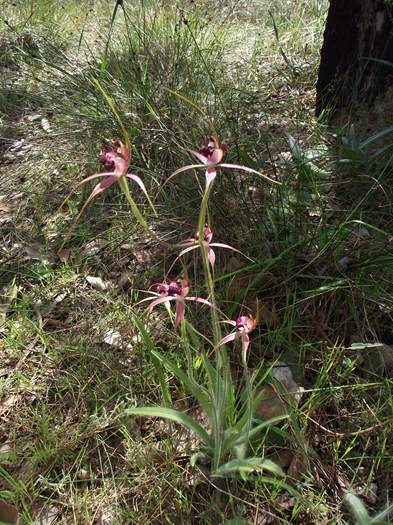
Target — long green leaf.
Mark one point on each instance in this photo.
(196, 390)
(244, 436)
(150, 347)
(173, 415)
(358, 509)
(247, 466)
(255, 431)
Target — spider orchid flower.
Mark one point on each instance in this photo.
(173, 291)
(211, 156)
(244, 325)
(207, 242)
(116, 160)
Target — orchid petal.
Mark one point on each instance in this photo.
(229, 338)
(103, 185)
(210, 176)
(161, 300)
(98, 189)
(216, 156)
(138, 180)
(211, 256)
(95, 176)
(91, 177)
(200, 301)
(232, 323)
(245, 342)
(180, 311)
(181, 170)
(148, 298)
(199, 156)
(249, 170)
(189, 249)
(221, 245)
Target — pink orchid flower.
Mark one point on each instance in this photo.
(211, 156)
(173, 291)
(244, 325)
(207, 238)
(116, 160)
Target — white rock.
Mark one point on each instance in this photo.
(97, 283)
(45, 125)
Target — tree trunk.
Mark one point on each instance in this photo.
(357, 34)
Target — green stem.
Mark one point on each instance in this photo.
(125, 189)
(222, 395)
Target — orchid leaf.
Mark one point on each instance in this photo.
(248, 466)
(196, 107)
(199, 393)
(172, 415)
(246, 435)
(112, 107)
(150, 347)
(242, 434)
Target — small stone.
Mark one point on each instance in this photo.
(83, 474)
(33, 118)
(4, 450)
(45, 125)
(97, 283)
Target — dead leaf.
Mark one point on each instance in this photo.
(125, 280)
(83, 474)
(8, 514)
(298, 466)
(63, 254)
(108, 517)
(97, 283)
(36, 254)
(4, 205)
(93, 247)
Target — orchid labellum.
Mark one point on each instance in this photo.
(176, 291)
(207, 238)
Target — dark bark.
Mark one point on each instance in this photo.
(356, 31)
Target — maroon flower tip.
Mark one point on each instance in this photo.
(162, 288)
(175, 288)
(207, 234)
(179, 287)
(246, 323)
(107, 158)
(213, 151)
